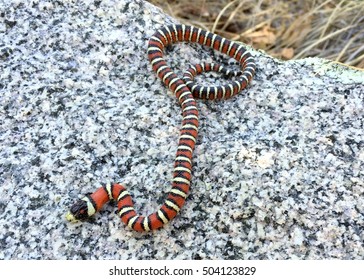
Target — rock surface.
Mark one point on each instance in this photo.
(278, 170)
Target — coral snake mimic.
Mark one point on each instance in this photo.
(186, 91)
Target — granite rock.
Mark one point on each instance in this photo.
(278, 170)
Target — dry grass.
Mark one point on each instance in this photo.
(332, 29)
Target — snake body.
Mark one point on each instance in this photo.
(186, 92)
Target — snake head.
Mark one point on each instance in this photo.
(78, 211)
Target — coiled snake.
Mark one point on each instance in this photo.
(186, 91)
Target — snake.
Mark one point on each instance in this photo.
(186, 91)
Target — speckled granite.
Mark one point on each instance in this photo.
(278, 170)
